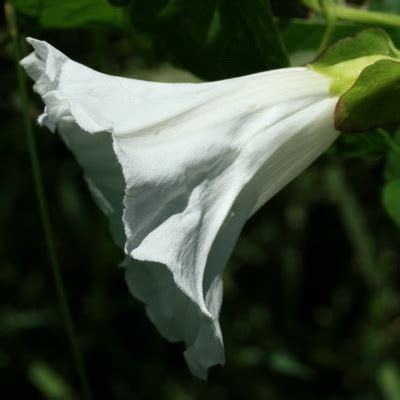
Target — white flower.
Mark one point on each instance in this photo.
(183, 166)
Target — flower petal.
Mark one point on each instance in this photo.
(197, 160)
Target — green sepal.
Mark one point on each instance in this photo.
(368, 42)
(373, 101)
(344, 61)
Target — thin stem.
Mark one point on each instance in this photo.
(392, 143)
(354, 223)
(43, 210)
(359, 15)
(367, 17)
(329, 9)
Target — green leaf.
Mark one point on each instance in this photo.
(30, 8)
(303, 34)
(71, 13)
(249, 26)
(373, 101)
(213, 39)
(391, 199)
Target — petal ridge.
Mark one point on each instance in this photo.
(192, 163)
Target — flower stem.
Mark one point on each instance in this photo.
(389, 140)
(355, 225)
(43, 210)
(358, 15)
(329, 10)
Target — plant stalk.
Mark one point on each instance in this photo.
(355, 225)
(42, 204)
(359, 15)
(328, 7)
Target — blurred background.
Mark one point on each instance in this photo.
(312, 291)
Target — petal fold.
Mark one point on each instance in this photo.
(179, 168)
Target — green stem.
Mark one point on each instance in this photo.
(43, 210)
(358, 15)
(329, 9)
(389, 140)
(354, 223)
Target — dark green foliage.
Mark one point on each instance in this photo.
(391, 191)
(312, 291)
(391, 199)
(119, 3)
(303, 34)
(375, 144)
(385, 5)
(214, 39)
(70, 13)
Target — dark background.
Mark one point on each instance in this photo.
(312, 291)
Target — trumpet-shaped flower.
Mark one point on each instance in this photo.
(179, 168)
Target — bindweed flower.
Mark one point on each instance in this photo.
(180, 168)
